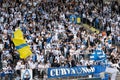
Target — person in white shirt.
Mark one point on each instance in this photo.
(40, 68)
(72, 50)
(34, 68)
(18, 68)
(22, 66)
(1, 46)
(40, 57)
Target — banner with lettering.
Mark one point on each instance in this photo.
(75, 71)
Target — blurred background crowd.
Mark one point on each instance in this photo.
(54, 40)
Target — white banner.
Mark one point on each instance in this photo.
(26, 73)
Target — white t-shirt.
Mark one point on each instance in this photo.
(40, 67)
(62, 16)
(56, 52)
(1, 46)
(4, 63)
(22, 66)
(33, 66)
(40, 58)
(46, 66)
(61, 26)
(17, 67)
(72, 52)
(55, 37)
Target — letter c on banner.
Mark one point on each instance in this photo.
(52, 72)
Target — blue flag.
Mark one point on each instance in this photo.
(49, 39)
(98, 55)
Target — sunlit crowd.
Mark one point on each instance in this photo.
(53, 39)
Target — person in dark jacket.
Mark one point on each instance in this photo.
(55, 64)
(73, 63)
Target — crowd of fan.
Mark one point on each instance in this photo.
(54, 41)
